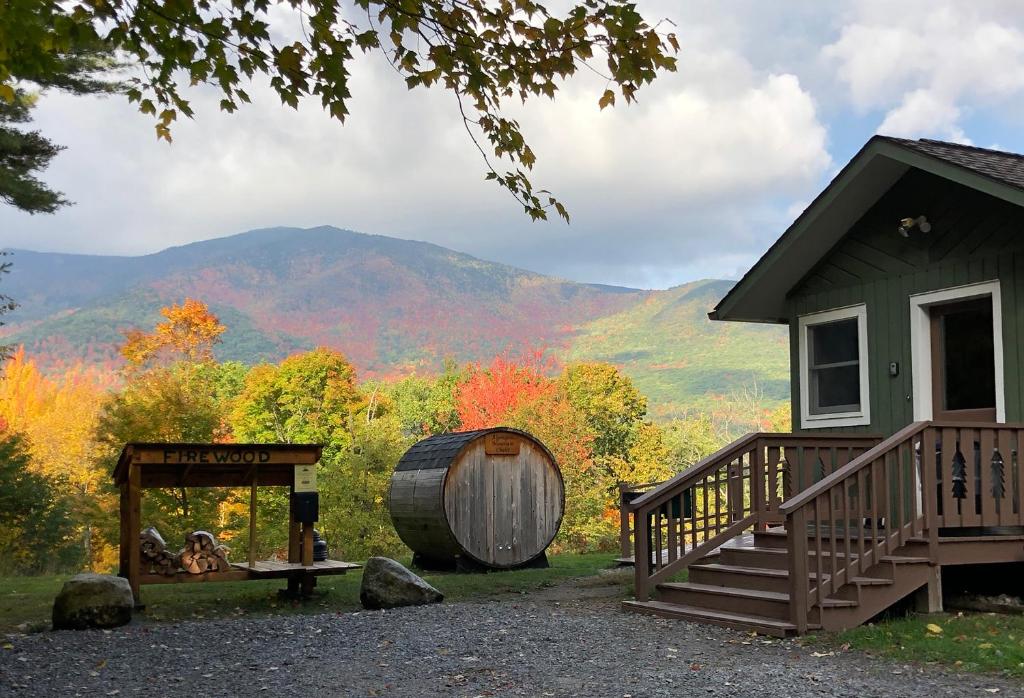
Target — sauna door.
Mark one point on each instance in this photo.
(963, 361)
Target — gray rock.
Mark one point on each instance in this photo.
(93, 601)
(387, 584)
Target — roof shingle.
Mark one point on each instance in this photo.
(995, 164)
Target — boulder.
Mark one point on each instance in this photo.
(387, 584)
(93, 601)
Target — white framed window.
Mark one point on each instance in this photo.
(834, 368)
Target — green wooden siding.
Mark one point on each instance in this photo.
(974, 238)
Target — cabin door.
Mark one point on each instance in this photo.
(963, 374)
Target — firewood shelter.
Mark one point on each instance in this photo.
(143, 466)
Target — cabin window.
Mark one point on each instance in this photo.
(833, 354)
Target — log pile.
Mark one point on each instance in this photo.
(202, 554)
(155, 557)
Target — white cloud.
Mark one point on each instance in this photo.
(683, 184)
(923, 113)
(923, 62)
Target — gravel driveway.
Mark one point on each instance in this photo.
(529, 646)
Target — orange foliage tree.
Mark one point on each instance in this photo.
(189, 332)
(525, 396)
(57, 418)
(489, 395)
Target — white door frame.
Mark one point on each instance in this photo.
(921, 344)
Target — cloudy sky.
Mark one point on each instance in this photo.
(695, 181)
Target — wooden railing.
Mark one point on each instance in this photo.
(743, 486)
(928, 476)
(628, 493)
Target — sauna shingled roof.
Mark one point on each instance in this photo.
(438, 451)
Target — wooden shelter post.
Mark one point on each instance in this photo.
(252, 521)
(134, 489)
(294, 529)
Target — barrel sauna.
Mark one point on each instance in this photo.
(491, 498)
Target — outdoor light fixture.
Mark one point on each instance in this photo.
(908, 224)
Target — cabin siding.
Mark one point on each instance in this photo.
(974, 238)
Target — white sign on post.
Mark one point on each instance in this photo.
(305, 478)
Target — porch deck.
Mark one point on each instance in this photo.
(786, 533)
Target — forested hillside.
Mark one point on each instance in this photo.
(392, 306)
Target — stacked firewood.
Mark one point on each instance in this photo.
(156, 558)
(203, 554)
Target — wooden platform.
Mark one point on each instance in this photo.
(273, 569)
(182, 577)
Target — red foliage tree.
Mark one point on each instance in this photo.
(489, 396)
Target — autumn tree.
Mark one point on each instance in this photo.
(485, 54)
(307, 398)
(172, 391)
(489, 394)
(354, 511)
(423, 405)
(692, 438)
(37, 533)
(56, 418)
(189, 332)
(164, 404)
(609, 402)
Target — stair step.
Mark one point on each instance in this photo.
(773, 573)
(854, 533)
(904, 559)
(735, 592)
(777, 558)
(727, 619)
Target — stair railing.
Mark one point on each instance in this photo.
(738, 488)
(845, 524)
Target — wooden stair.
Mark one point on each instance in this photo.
(745, 585)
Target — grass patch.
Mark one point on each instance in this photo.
(977, 642)
(25, 602)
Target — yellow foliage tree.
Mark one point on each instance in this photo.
(189, 332)
(57, 418)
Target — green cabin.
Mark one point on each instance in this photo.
(902, 285)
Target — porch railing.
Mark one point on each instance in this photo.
(741, 487)
(628, 493)
(927, 477)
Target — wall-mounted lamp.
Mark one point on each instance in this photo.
(908, 224)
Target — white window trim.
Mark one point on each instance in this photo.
(921, 343)
(836, 419)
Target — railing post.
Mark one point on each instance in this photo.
(734, 489)
(642, 553)
(625, 547)
(796, 547)
(758, 500)
(929, 482)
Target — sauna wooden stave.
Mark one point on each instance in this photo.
(438, 511)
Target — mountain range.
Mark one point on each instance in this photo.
(393, 307)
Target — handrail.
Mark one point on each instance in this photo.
(686, 477)
(738, 487)
(690, 474)
(847, 522)
(826, 483)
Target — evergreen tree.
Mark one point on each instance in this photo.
(36, 531)
(24, 154)
(7, 304)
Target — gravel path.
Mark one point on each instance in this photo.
(541, 645)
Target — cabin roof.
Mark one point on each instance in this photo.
(761, 294)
